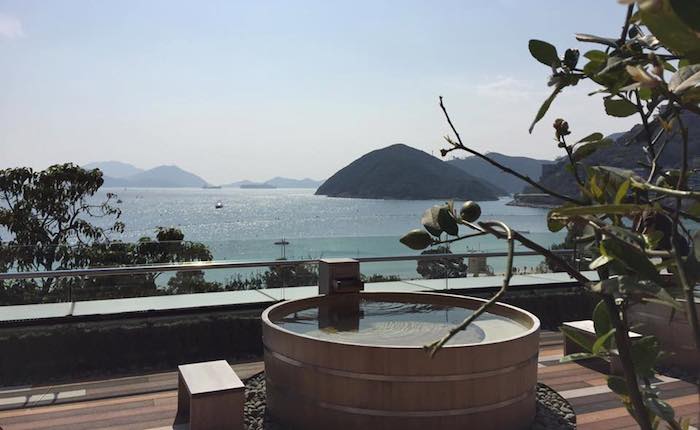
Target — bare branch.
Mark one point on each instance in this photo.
(434, 347)
(460, 145)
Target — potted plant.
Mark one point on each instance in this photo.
(633, 221)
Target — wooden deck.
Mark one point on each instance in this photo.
(149, 401)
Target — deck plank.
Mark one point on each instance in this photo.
(126, 406)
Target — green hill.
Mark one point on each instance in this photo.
(404, 173)
(626, 152)
(475, 166)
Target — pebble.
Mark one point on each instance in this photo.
(553, 411)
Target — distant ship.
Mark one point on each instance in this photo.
(219, 205)
(283, 245)
(211, 187)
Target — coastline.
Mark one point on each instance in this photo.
(530, 205)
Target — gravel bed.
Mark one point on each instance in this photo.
(553, 411)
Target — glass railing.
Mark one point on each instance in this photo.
(264, 279)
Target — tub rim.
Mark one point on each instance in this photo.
(527, 332)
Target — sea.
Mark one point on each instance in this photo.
(250, 221)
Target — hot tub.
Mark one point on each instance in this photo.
(356, 361)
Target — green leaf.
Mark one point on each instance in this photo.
(645, 352)
(417, 239)
(595, 190)
(611, 178)
(619, 108)
(615, 63)
(581, 37)
(554, 225)
(611, 80)
(660, 408)
(593, 137)
(601, 319)
(688, 11)
(582, 340)
(694, 209)
(589, 148)
(618, 385)
(631, 257)
(622, 192)
(647, 291)
(545, 106)
(673, 32)
(599, 262)
(669, 67)
(601, 342)
(645, 94)
(447, 222)
(544, 52)
(686, 83)
(652, 238)
(576, 356)
(596, 55)
(430, 221)
(627, 235)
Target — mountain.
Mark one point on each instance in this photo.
(166, 176)
(280, 182)
(276, 182)
(258, 186)
(238, 184)
(114, 169)
(401, 172)
(626, 152)
(483, 170)
(158, 177)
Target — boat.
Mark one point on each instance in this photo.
(219, 205)
(283, 245)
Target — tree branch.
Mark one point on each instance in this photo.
(687, 288)
(626, 26)
(434, 347)
(460, 145)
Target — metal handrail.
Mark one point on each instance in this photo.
(227, 264)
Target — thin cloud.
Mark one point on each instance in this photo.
(506, 86)
(10, 27)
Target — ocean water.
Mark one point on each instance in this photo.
(251, 220)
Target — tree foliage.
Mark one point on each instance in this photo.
(48, 221)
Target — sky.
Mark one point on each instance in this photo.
(235, 90)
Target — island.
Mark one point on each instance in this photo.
(403, 173)
(258, 186)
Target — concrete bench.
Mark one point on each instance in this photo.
(210, 396)
(587, 328)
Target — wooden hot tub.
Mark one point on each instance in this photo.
(355, 361)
